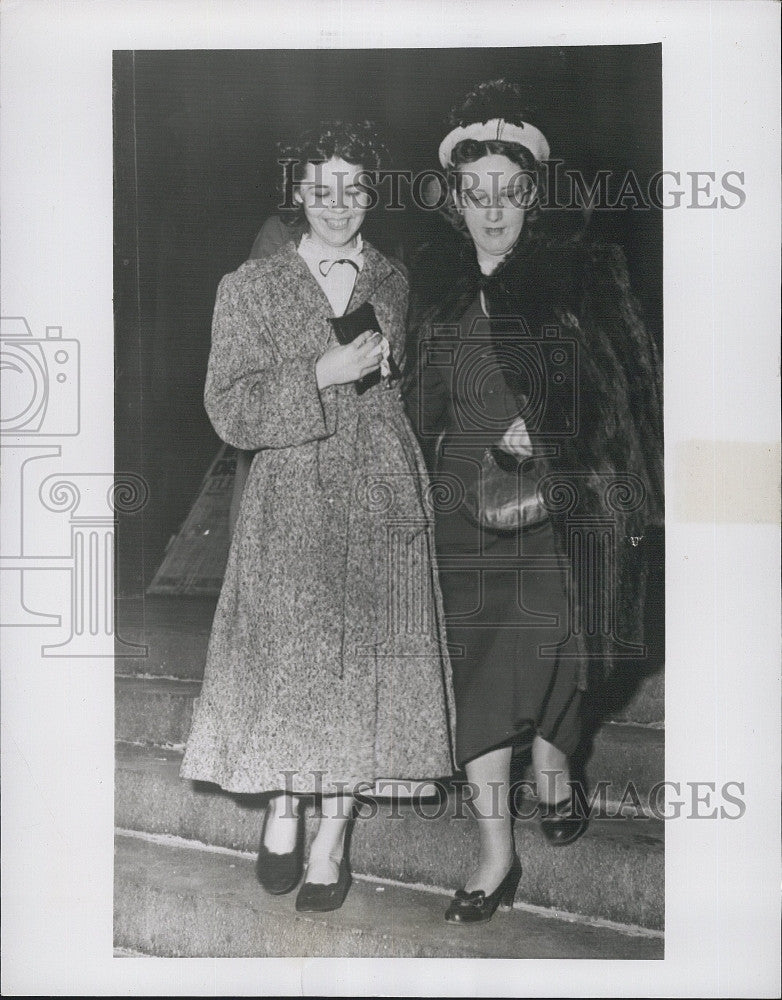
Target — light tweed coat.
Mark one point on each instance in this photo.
(326, 660)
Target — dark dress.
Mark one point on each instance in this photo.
(505, 593)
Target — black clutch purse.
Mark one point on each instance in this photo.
(350, 326)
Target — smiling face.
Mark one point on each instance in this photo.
(493, 196)
(334, 204)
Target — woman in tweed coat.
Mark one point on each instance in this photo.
(325, 668)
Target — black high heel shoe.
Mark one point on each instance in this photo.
(315, 897)
(476, 906)
(281, 873)
(562, 823)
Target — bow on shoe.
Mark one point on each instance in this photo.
(475, 898)
(473, 907)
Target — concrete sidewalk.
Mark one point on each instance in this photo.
(180, 901)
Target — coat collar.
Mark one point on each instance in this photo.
(375, 271)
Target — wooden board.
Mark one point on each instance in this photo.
(195, 558)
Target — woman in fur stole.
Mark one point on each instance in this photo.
(536, 397)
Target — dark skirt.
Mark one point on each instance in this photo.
(506, 611)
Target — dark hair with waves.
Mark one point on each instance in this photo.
(360, 143)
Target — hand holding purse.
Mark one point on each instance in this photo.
(507, 496)
(352, 325)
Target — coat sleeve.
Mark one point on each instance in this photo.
(615, 312)
(254, 399)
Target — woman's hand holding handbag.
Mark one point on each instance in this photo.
(516, 440)
(508, 498)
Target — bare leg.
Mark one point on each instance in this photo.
(329, 843)
(490, 774)
(552, 771)
(282, 824)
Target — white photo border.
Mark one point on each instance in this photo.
(721, 112)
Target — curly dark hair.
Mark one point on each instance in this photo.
(360, 143)
(491, 99)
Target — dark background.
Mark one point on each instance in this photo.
(196, 175)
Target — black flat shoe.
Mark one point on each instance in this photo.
(474, 907)
(563, 823)
(281, 873)
(315, 897)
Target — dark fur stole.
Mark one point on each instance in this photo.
(612, 463)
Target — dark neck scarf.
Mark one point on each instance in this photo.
(537, 273)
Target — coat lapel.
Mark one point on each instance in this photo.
(304, 309)
(306, 288)
(374, 272)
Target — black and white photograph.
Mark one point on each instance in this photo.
(391, 499)
(449, 573)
